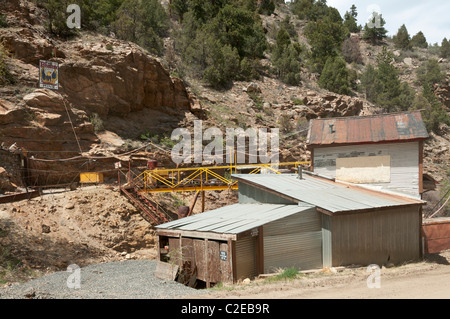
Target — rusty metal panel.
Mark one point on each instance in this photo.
(378, 237)
(437, 234)
(367, 129)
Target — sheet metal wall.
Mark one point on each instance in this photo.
(246, 258)
(404, 163)
(294, 241)
(326, 241)
(379, 237)
(249, 195)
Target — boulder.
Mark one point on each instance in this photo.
(253, 88)
(46, 100)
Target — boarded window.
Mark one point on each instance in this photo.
(364, 169)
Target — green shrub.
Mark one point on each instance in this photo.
(3, 23)
(325, 37)
(334, 76)
(402, 40)
(143, 22)
(5, 75)
(97, 122)
(445, 49)
(430, 73)
(419, 40)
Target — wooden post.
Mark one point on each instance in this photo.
(158, 248)
(203, 201)
(208, 282)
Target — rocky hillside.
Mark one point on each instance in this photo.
(117, 101)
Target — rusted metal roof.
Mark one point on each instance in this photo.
(367, 129)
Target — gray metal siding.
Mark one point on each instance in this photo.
(294, 241)
(404, 163)
(249, 194)
(246, 258)
(326, 241)
(379, 237)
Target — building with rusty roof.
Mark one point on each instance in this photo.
(383, 152)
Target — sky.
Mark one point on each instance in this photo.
(432, 17)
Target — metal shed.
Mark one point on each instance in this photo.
(243, 240)
(358, 226)
(285, 221)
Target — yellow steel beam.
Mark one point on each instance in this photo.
(188, 189)
(180, 185)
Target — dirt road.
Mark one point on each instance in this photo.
(429, 279)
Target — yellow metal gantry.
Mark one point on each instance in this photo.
(200, 178)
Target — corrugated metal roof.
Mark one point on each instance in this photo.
(367, 129)
(234, 219)
(331, 196)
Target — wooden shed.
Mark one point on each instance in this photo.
(242, 240)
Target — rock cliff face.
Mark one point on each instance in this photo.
(129, 90)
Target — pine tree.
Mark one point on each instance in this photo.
(143, 22)
(350, 20)
(433, 112)
(419, 40)
(334, 76)
(223, 64)
(57, 22)
(382, 85)
(285, 57)
(430, 73)
(326, 38)
(402, 39)
(445, 49)
(266, 7)
(374, 31)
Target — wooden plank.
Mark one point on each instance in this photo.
(225, 264)
(199, 255)
(195, 234)
(214, 261)
(187, 246)
(364, 169)
(206, 255)
(175, 251)
(166, 271)
(158, 248)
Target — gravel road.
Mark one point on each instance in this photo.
(132, 279)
